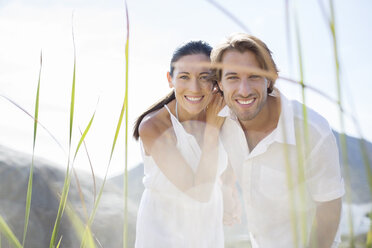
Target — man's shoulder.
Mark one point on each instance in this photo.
(304, 114)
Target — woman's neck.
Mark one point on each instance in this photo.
(193, 124)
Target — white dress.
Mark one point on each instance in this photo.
(167, 217)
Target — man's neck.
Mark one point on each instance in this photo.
(263, 124)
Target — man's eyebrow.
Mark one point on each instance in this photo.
(229, 73)
(184, 72)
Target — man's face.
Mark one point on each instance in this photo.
(244, 92)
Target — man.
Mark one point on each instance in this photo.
(284, 155)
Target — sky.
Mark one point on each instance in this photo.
(157, 28)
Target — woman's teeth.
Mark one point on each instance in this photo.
(193, 99)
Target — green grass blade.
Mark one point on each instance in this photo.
(332, 25)
(288, 32)
(82, 138)
(125, 229)
(310, 88)
(123, 109)
(59, 242)
(84, 134)
(117, 130)
(81, 195)
(37, 101)
(61, 208)
(9, 235)
(300, 146)
(72, 105)
(93, 213)
(91, 169)
(33, 118)
(230, 15)
(30, 178)
(66, 185)
(289, 173)
(79, 227)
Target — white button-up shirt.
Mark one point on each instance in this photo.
(285, 175)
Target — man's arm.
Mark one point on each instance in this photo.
(326, 224)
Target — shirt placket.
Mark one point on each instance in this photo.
(247, 175)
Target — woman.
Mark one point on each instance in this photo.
(182, 202)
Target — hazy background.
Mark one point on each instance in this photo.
(156, 29)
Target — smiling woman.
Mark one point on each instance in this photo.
(182, 202)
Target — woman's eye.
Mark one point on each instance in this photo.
(203, 78)
(184, 77)
(232, 78)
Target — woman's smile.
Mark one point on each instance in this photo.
(194, 99)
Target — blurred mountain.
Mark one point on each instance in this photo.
(360, 192)
(48, 181)
(358, 174)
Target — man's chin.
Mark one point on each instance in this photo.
(245, 116)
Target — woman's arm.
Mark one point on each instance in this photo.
(159, 141)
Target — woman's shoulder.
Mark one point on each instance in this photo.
(154, 124)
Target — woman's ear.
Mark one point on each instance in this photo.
(169, 77)
(220, 85)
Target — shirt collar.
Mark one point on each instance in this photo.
(284, 132)
(226, 112)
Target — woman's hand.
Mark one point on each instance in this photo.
(212, 110)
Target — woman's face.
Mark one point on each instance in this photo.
(193, 90)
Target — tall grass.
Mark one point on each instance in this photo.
(124, 109)
(8, 233)
(125, 229)
(29, 187)
(300, 148)
(332, 25)
(66, 186)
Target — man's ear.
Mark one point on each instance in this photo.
(268, 82)
(169, 77)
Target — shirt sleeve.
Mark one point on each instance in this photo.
(323, 172)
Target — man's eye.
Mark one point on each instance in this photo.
(255, 77)
(184, 77)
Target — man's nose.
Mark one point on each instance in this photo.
(245, 88)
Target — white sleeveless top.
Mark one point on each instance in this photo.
(167, 217)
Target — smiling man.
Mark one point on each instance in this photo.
(288, 168)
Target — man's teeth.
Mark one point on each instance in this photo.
(194, 99)
(246, 101)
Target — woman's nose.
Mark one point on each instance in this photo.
(195, 85)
